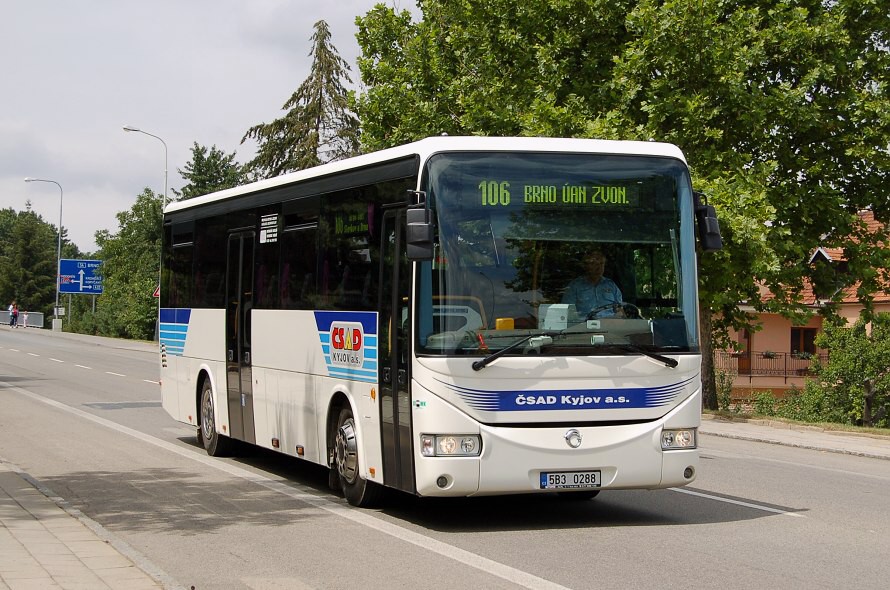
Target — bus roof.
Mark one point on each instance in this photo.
(424, 148)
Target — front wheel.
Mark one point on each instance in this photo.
(215, 444)
(358, 491)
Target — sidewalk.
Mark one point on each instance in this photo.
(804, 437)
(46, 546)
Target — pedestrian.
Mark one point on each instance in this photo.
(25, 318)
(11, 317)
(15, 315)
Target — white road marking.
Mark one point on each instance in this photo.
(728, 455)
(115, 374)
(303, 494)
(56, 360)
(33, 354)
(150, 381)
(738, 502)
(84, 367)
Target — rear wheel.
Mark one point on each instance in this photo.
(213, 442)
(358, 491)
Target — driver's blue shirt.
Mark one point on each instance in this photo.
(587, 296)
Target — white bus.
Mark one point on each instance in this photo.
(404, 318)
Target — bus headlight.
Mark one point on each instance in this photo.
(450, 445)
(678, 439)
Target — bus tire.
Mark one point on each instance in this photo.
(213, 442)
(357, 490)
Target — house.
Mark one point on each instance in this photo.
(778, 357)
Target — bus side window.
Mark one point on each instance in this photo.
(297, 275)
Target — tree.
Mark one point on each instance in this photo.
(773, 119)
(785, 121)
(492, 67)
(28, 260)
(318, 126)
(126, 308)
(209, 172)
(853, 386)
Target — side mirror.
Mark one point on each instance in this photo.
(708, 227)
(419, 237)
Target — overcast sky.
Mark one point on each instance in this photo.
(74, 73)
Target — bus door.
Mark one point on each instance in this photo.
(394, 354)
(239, 303)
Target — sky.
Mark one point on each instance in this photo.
(75, 73)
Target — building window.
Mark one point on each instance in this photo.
(803, 340)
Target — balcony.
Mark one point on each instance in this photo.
(767, 363)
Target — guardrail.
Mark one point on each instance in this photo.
(35, 319)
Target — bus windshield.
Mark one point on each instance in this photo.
(558, 254)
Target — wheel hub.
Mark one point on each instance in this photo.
(207, 426)
(345, 453)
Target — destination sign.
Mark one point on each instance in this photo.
(499, 193)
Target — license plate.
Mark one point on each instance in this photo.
(570, 480)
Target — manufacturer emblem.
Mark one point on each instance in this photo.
(573, 438)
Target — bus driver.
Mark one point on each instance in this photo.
(594, 293)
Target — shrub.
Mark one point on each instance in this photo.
(724, 389)
(764, 403)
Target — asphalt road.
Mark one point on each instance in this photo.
(83, 417)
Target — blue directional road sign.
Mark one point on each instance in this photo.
(80, 277)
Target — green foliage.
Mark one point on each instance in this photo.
(781, 108)
(764, 403)
(491, 67)
(208, 172)
(857, 366)
(28, 260)
(724, 389)
(318, 126)
(126, 309)
(806, 405)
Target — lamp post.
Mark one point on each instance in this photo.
(57, 322)
(130, 128)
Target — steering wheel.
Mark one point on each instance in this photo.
(630, 310)
(594, 313)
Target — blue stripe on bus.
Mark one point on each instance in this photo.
(173, 336)
(364, 376)
(173, 326)
(568, 399)
(175, 315)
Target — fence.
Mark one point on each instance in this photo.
(767, 363)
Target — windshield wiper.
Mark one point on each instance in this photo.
(668, 361)
(534, 341)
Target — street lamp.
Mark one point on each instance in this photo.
(130, 128)
(58, 252)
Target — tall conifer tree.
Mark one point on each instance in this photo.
(317, 126)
